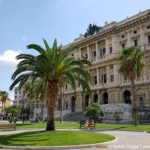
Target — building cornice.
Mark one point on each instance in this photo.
(113, 28)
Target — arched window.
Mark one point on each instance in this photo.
(95, 98)
(105, 98)
(73, 103)
(86, 100)
(127, 96)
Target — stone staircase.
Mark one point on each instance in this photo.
(73, 116)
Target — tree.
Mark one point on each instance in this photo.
(92, 28)
(13, 112)
(51, 66)
(93, 111)
(36, 91)
(131, 67)
(4, 97)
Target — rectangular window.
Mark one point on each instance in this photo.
(111, 67)
(123, 45)
(148, 27)
(125, 77)
(148, 38)
(111, 78)
(101, 53)
(94, 55)
(95, 80)
(66, 87)
(104, 78)
(104, 52)
(110, 50)
(135, 42)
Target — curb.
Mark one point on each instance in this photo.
(99, 145)
(96, 145)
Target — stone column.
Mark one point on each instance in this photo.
(128, 39)
(142, 42)
(97, 51)
(115, 74)
(88, 52)
(147, 98)
(107, 48)
(97, 76)
(107, 75)
(114, 44)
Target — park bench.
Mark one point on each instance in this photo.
(8, 126)
(87, 124)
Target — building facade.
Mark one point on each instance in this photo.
(102, 49)
(109, 88)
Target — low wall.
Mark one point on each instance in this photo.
(120, 111)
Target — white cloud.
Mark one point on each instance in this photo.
(8, 59)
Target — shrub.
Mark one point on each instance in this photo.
(93, 111)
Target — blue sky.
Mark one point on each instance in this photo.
(24, 22)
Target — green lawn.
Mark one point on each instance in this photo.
(68, 124)
(54, 138)
(29, 125)
(123, 127)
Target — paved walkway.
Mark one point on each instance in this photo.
(126, 140)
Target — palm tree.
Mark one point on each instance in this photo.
(131, 67)
(51, 65)
(4, 97)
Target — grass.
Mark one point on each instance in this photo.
(29, 125)
(68, 124)
(123, 127)
(54, 138)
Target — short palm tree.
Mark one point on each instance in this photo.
(4, 97)
(36, 91)
(51, 65)
(132, 66)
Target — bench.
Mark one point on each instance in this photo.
(87, 124)
(8, 126)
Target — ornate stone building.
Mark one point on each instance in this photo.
(35, 107)
(109, 88)
(103, 49)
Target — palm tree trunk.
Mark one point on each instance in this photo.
(61, 107)
(2, 107)
(134, 106)
(50, 119)
(42, 110)
(52, 94)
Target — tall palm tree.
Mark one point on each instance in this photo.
(51, 65)
(4, 97)
(132, 66)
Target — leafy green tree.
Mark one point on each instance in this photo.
(132, 65)
(13, 112)
(93, 111)
(51, 66)
(92, 28)
(3, 98)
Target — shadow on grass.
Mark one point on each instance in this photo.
(9, 139)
